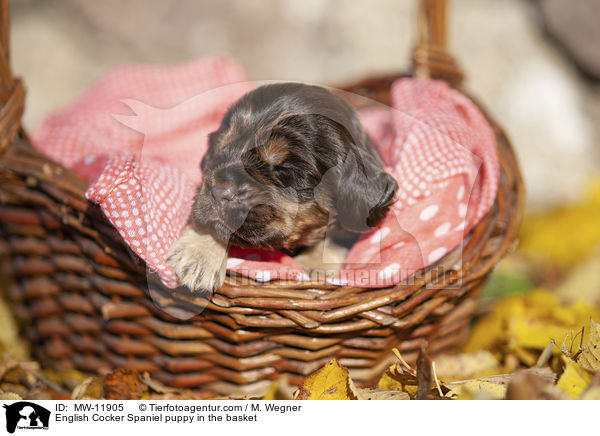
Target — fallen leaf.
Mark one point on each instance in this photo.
(6, 365)
(68, 378)
(525, 324)
(583, 282)
(11, 343)
(591, 394)
(527, 385)
(492, 387)
(461, 366)
(389, 383)
(529, 357)
(424, 376)
(89, 389)
(590, 356)
(156, 386)
(381, 394)
(550, 237)
(123, 384)
(399, 377)
(477, 388)
(332, 382)
(10, 396)
(574, 378)
(280, 389)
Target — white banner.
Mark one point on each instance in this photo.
(313, 418)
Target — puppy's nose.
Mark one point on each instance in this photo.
(224, 192)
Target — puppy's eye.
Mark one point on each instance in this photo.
(284, 174)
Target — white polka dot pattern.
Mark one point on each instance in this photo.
(142, 163)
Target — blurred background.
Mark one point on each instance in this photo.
(527, 78)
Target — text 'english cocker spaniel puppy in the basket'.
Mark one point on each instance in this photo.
(290, 168)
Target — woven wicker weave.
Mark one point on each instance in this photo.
(82, 297)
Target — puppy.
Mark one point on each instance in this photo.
(288, 162)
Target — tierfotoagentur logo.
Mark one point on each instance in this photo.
(25, 415)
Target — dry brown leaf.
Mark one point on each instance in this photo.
(156, 386)
(124, 384)
(6, 365)
(527, 385)
(424, 376)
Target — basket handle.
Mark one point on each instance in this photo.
(12, 93)
(430, 58)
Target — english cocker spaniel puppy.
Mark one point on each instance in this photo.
(289, 163)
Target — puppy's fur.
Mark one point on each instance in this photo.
(288, 162)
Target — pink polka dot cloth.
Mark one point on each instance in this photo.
(139, 133)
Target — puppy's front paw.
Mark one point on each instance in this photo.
(198, 260)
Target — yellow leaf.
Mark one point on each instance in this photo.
(492, 387)
(280, 389)
(583, 282)
(381, 394)
(389, 383)
(529, 333)
(592, 393)
(466, 365)
(529, 322)
(478, 388)
(332, 382)
(528, 357)
(89, 389)
(574, 378)
(590, 356)
(399, 377)
(550, 236)
(10, 396)
(10, 342)
(490, 332)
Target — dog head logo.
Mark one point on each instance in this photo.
(26, 415)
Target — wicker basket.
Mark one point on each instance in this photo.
(82, 297)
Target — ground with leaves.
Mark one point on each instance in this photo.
(537, 336)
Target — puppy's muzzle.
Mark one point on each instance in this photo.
(225, 192)
(231, 201)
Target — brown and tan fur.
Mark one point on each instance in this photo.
(288, 162)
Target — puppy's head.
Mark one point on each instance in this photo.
(287, 160)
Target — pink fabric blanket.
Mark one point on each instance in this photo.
(139, 133)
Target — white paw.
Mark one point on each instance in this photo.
(198, 260)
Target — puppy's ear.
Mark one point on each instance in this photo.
(365, 191)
